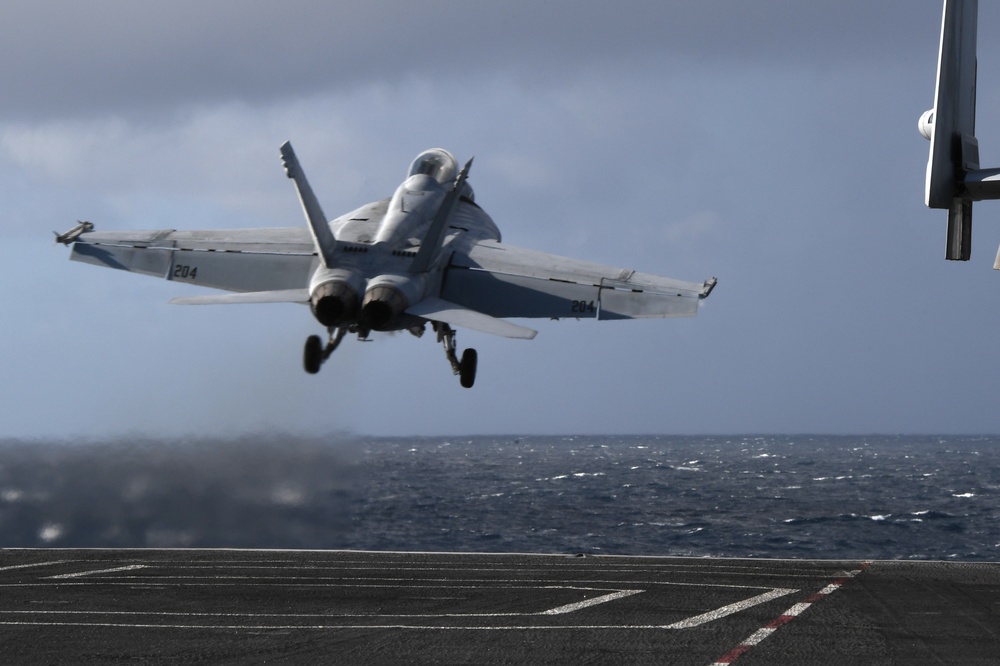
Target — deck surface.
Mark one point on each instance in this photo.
(242, 606)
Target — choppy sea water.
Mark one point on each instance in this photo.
(755, 496)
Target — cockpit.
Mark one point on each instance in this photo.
(437, 163)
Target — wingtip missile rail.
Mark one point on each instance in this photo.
(74, 233)
(707, 287)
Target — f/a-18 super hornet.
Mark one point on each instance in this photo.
(426, 255)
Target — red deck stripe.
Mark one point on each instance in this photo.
(785, 618)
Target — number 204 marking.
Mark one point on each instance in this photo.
(182, 271)
(582, 307)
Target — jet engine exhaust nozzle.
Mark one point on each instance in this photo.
(334, 303)
(382, 308)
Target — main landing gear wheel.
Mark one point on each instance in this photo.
(315, 352)
(467, 368)
(312, 356)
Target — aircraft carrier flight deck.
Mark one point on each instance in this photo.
(271, 606)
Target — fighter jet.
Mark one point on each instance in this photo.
(954, 178)
(427, 255)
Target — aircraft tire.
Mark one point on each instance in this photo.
(467, 368)
(312, 356)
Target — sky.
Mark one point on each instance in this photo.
(772, 144)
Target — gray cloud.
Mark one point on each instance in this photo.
(772, 144)
(71, 59)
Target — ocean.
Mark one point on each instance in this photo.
(843, 497)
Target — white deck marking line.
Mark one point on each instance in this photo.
(722, 612)
(154, 579)
(339, 627)
(291, 564)
(33, 564)
(181, 582)
(603, 599)
(326, 586)
(559, 610)
(756, 637)
(613, 594)
(94, 572)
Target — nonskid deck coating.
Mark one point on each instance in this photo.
(256, 606)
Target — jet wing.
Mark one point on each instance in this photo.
(242, 260)
(505, 281)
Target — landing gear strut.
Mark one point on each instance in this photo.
(466, 368)
(315, 353)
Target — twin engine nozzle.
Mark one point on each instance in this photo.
(336, 299)
(334, 303)
(383, 307)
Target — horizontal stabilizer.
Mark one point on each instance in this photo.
(278, 296)
(436, 309)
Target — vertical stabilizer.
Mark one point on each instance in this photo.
(435, 232)
(321, 233)
(951, 125)
(954, 179)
